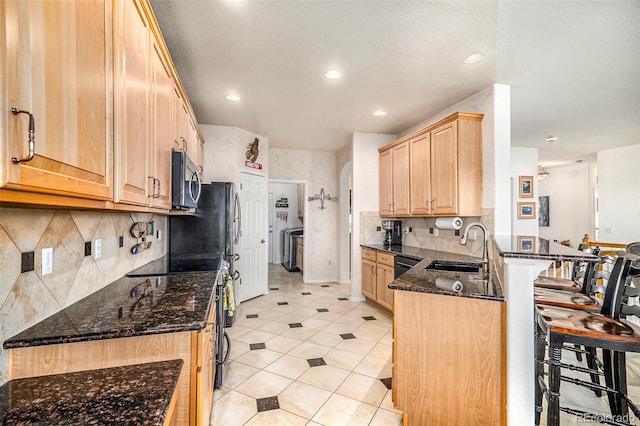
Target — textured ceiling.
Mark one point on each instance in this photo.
(573, 67)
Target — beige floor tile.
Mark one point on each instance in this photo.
(339, 328)
(220, 392)
(325, 377)
(259, 358)
(325, 339)
(387, 403)
(237, 331)
(276, 417)
(356, 345)
(369, 333)
(386, 418)
(382, 351)
(238, 348)
(328, 316)
(315, 323)
(302, 399)
(233, 409)
(343, 359)
(274, 327)
(263, 384)
(282, 344)
(307, 350)
(255, 336)
(234, 373)
(363, 388)
(288, 366)
(374, 367)
(299, 333)
(340, 410)
(251, 323)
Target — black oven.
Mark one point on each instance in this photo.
(185, 182)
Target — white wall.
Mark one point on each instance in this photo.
(365, 194)
(289, 191)
(571, 205)
(524, 162)
(619, 194)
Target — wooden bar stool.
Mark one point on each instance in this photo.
(607, 330)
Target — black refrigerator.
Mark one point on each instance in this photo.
(212, 231)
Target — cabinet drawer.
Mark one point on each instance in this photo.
(385, 258)
(369, 254)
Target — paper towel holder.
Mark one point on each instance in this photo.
(454, 223)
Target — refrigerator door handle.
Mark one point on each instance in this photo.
(238, 219)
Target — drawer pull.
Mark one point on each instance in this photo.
(32, 136)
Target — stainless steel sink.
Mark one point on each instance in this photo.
(455, 266)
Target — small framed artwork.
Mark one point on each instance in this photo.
(527, 210)
(543, 210)
(526, 243)
(526, 186)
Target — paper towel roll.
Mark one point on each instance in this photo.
(449, 223)
(449, 284)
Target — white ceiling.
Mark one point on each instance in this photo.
(573, 67)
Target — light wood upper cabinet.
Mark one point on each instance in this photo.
(58, 68)
(161, 140)
(420, 182)
(131, 97)
(444, 169)
(394, 181)
(386, 183)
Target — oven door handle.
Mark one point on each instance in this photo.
(406, 265)
(228, 342)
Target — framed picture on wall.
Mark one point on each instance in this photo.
(527, 210)
(526, 243)
(526, 186)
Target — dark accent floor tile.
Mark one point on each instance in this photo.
(268, 403)
(368, 318)
(322, 310)
(252, 316)
(255, 346)
(305, 293)
(316, 362)
(325, 285)
(274, 288)
(347, 336)
(342, 298)
(386, 382)
(283, 303)
(295, 325)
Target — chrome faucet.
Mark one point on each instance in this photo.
(485, 249)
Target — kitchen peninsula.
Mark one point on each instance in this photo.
(134, 320)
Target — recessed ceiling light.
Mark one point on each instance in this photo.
(551, 139)
(333, 74)
(380, 113)
(474, 58)
(232, 97)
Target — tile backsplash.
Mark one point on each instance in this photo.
(420, 236)
(28, 297)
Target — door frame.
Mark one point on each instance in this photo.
(304, 219)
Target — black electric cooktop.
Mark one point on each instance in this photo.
(176, 264)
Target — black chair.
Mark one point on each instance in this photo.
(608, 330)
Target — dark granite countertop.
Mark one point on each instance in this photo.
(422, 280)
(163, 304)
(527, 247)
(130, 395)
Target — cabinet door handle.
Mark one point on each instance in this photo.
(373, 270)
(158, 189)
(32, 136)
(184, 144)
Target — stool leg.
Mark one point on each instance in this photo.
(591, 363)
(620, 379)
(539, 369)
(609, 368)
(553, 408)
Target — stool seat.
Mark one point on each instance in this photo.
(557, 283)
(566, 299)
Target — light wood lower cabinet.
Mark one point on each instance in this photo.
(194, 390)
(377, 273)
(448, 359)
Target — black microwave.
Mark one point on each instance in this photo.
(185, 182)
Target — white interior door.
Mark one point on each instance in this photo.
(253, 236)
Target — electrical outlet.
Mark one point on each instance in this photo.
(26, 263)
(431, 230)
(87, 248)
(98, 253)
(472, 234)
(435, 232)
(47, 261)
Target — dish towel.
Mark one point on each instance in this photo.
(228, 301)
(449, 284)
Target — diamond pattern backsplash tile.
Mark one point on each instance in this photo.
(27, 298)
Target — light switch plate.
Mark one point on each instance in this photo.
(47, 261)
